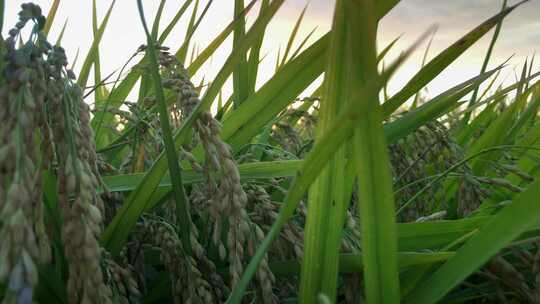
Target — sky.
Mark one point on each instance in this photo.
(409, 19)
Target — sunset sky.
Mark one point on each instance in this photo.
(519, 36)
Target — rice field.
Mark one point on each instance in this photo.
(145, 187)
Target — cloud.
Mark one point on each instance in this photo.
(519, 36)
(455, 18)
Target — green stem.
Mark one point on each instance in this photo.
(485, 63)
(180, 196)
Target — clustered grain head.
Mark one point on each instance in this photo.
(232, 229)
(22, 100)
(78, 179)
(121, 279)
(189, 284)
(46, 125)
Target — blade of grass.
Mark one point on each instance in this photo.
(388, 107)
(293, 35)
(327, 201)
(526, 115)
(91, 56)
(99, 93)
(157, 19)
(74, 63)
(494, 135)
(424, 59)
(50, 17)
(465, 120)
(61, 35)
(303, 43)
(530, 70)
(387, 49)
(526, 163)
(382, 7)
(217, 42)
(249, 171)
(278, 59)
(240, 73)
(51, 288)
(353, 263)
(491, 238)
(371, 159)
(465, 134)
(522, 93)
(443, 60)
(438, 106)
(241, 125)
(180, 196)
(182, 52)
(488, 88)
(113, 101)
(254, 54)
(174, 21)
(499, 94)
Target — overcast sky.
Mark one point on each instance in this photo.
(519, 36)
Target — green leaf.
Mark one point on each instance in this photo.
(92, 53)
(424, 59)
(99, 93)
(180, 196)
(442, 61)
(240, 73)
(218, 41)
(157, 19)
(303, 43)
(61, 35)
(438, 106)
(328, 198)
(526, 155)
(494, 135)
(174, 21)
(377, 213)
(465, 134)
(387, 49)
(249, 171)
(465, 120)
(50, 17)
(293, 35)
(259, 109)
(192, 27)
(116, 98)
(254, 54)
(491, 238)
(353, 263)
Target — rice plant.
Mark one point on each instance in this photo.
(272, 193)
